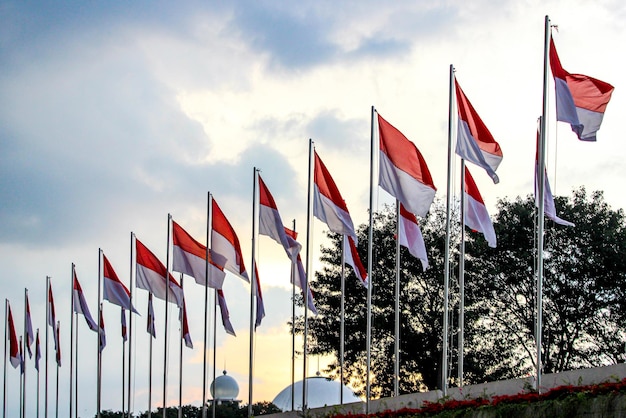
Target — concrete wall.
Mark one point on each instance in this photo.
(503, 387)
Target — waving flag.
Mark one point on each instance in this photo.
(410, 236)
(403, 172)
(476, 216)
(29, 328)
(182, 317)
(151, 275)
(189, 257)
(52, 319)
(260, 308)
(102, 342)
(114, 290)
(80, 305)
(228, 327)
(299, 275)
(270, 223)
(124, 329)
(150, 324)
(14, 351)
(352, 258)
(328, 205)
(225, 243)
(474, 141)
(580, 100)
(37, 351)
(58, 356)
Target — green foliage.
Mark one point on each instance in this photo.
(224, 410)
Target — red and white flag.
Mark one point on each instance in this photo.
(580, 100)
(114, 290)
(476, 216)
(328, 205)
(411, 236)
(352, 258)
(102, 334)
(260, 307)
(228, 327)
(151, 275)
(189, 257)
(80, 305)
(224, 242)
(474, 142)
(14, 351)
(150, 327)
(52, 319)
(58, 333)
(37, 351)
(124, 328)
(182, 317)
(299, 275)
(270, 223)
(403, 172)
(29, 329)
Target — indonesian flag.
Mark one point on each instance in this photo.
(189, 257)
(182, 317)
(151, 275)
(228, 327)
(114, 290)
(225, 243)
(52, 320)
(329, 206)
(103, 336)
(58, 333)
(80, 305)
(474, 141)
(37, 351)
(580, 100)
(476, 216)
(403, 172)
(124, 328)
(352, 258)
(150, 327)
(270, 223)
(14, 351)
(29, 328)
(410, 236)
(299, 275)
(260, 308)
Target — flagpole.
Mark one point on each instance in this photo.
(213, 405)
(462, 277)
(342, 329)
(45, 409)
(309, 272)
(180, 358)
(167, 292)
(206, 302)
(130, 321)
(123, 313)
(541, 189)
(99, 357)
(72, 336)
(36, 348)
(446, 272)
(76, 373)
(396, 364)
(6, 337)
(57, 356)
(24, 355)
(370, 238)
(150, 318)
(22, 371)
(293, 326)
(255, 172)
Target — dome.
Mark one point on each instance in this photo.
(321, 391)
(224, 388)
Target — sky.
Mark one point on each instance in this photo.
(114, 114)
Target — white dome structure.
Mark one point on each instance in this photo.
(224, 388)
(321, 391)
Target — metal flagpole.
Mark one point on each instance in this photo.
(123, 314)
(253, 283)
(130, 321)
(342, 329)
(370, 238)
(206, 302)
(541, 190)
(76, 373)
(462, 277)
(6, 337)
(309, 272)
(213, 404)
(24, 355)
(150, 318)
(37, 348)
(180, 359)
(21, 378)
(73, 273)
(58, 367)
(396, 364)
(99, 357)
(167, 292)
(293, 326)
(45, 403)
(446, 270)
